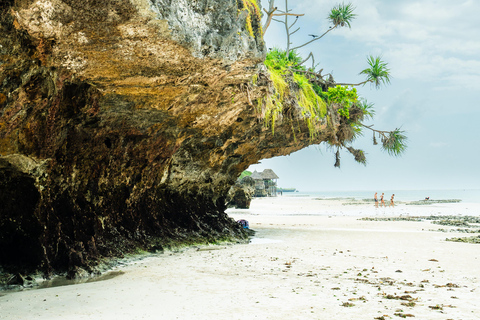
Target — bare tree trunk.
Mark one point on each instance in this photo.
(271, 10)
(287, 28)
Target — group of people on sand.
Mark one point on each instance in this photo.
(382, 201)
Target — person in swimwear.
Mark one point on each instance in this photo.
(391, 201)
(382, 202)
(376, 200)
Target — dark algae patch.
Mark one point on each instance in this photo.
(468, 224)
(475, 239)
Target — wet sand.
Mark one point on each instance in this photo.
(310, 259)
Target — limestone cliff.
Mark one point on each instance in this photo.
(123, 124)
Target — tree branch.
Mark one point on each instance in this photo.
(354, 84)
(308, 57)
(315, 39)
(271, 14)
(269, 18)
(315, 74)
(374, 130)
(288, 14)
(295, 31)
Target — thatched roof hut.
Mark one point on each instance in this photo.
(269, 174)
(256, 175)
(265, 183)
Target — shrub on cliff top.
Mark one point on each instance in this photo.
(282, 66)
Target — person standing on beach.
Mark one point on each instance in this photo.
(382, 202)
(376, 200)
(391, 201)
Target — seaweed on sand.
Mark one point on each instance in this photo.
(475, 239)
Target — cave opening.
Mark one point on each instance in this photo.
(21, 230)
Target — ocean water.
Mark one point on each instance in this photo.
(465, 195)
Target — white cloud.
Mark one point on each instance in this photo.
(428, 40)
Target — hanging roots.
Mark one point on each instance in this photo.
(374, 139)
(337, 159)
(358, 154)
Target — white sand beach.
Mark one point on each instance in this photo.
(310, 259)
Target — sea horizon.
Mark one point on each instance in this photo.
(465, 195)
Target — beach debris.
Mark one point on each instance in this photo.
(436, 307)
(404, 297)
(387, 280)
(448, 285)
(441, 306)
(362, 298)
(410, 304)
(434, 260)
(348, 304)
(403, 315)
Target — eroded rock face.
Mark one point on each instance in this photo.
(123, 124)
(241, 193)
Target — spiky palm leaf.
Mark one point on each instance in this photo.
(342, 15)
(367, 109)
(378, 72)
(395, 142)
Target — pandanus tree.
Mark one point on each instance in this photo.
(378, 72)
(325, 87)
(341, 15)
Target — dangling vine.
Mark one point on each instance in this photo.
(254, 16)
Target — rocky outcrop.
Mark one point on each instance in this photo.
(123, 124)
(241, 193)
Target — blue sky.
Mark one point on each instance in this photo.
(433, 51)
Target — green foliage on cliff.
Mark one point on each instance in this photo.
(296, 85)
(281, 60)
(244, 174)
(291, 79)
(274, 102)
(344, 98)
(284, 69)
